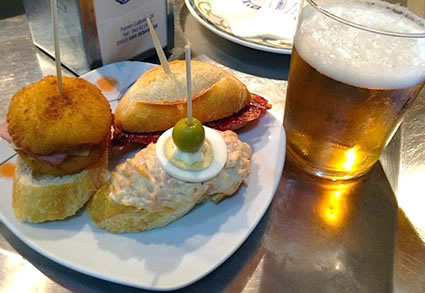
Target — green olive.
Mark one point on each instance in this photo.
(188, 138)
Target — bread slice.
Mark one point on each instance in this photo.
(141, 195)
(117, 218)
(39, 198)
(158, 100)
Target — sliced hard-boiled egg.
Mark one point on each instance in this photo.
(192, 161)
(213, 139)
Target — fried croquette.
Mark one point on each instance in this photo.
(41, 122)
(63, 145)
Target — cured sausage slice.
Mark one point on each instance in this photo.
(257, 107)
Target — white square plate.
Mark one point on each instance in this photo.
(178, 254)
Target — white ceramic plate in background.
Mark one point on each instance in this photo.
(167, 258)
(267, 25)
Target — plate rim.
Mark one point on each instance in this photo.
(71, 264)
(241, 41)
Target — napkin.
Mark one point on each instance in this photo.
(274, 19)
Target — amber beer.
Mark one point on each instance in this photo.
(348, 88)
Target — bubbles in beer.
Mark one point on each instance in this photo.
(359, 57)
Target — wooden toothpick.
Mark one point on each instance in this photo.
(53, 7)
(158, 47)
(189, 83)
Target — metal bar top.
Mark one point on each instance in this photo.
(365, 235)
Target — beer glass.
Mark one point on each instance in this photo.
(356, 66)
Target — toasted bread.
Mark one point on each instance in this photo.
(38, 198)
(117, 218)
(140, 195)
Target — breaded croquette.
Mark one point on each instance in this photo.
(42, 122)
(59, 135)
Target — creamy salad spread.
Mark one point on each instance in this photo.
(144, 184)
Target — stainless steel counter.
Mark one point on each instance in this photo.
(317, 236)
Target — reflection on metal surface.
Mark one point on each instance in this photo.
(410, 249)
(333, 207)
(21, 275)
(390, 160)
(411, 191)
(411, 198)
(326, 236)
(409, 258)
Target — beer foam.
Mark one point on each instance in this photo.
(358, 57)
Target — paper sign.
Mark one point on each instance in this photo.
(122, 28)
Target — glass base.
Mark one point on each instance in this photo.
(326, 174)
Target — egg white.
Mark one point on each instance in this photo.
(220, 157)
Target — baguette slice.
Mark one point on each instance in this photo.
(40, 198)
(150, 198)
(158, 100)
(117, 218)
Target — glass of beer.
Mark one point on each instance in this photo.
(356, 66)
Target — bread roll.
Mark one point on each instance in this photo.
(40, 198)
(158, 100)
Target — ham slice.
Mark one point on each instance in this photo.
(53, 159)
(4, 132)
